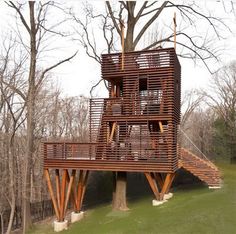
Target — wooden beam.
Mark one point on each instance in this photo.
(67, 176)
(153, 185)
(167, 183)
(159, 180)
(49, 183)
(58, 187)
(74, 196)
(160, 126)
(84, 185)
(63, 191)
(112, 131)
(72, 177)
(80, 189)
(172, 179)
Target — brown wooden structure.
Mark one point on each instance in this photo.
(134, 130)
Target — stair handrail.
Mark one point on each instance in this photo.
(205, 157)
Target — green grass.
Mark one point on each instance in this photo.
(193, 209)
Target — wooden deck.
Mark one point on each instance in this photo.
(82, 156)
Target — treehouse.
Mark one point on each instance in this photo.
(134, 130)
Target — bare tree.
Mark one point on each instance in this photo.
(36, 30)
(222, 99)
(11, 112)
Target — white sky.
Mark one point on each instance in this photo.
(77, 77)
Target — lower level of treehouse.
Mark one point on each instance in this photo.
(62, 161)
(131, 157)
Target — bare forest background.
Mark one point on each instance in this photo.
(33, 109)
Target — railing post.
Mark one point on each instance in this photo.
(64, 150)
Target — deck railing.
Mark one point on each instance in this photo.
(144, 106)
(69, 150)
(135, 151)
(139, 60)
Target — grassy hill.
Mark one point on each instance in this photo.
(193, 209)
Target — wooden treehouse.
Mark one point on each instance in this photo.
(134, 130)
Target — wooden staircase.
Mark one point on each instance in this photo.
(202, 168)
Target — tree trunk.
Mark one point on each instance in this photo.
(12, 185)
(26, 214)
(119, 196)
(119, 188)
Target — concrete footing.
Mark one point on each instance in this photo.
(60, 226)
(168, 196)
(214, 187)
(75, 217)
(158, 203)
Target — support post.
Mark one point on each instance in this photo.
(167, 183)
(84, 185)
(159, 180)
(80, 190)
(49, 183)
(58, 188)
(72, 177)
(63, 191)
(153, 185)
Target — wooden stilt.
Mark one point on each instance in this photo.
(74, 196)
(80, 189)
(49, 183)
(172, 179)
(63, 191)
(72, 177)
(159, 180)
(67, 176)
(153, 185)
(167, 183)
(58, 188)
(84, 185)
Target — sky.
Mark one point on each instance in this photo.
(78, 76)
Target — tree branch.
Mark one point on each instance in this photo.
(113, 17)
(146, 26)
(12, 5)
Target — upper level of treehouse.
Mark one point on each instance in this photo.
(142, 84)
(135, 129)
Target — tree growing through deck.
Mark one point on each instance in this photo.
(139, 19)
